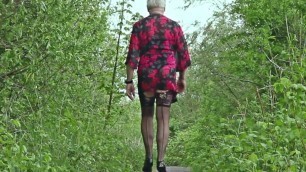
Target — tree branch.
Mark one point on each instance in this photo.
(13, 73)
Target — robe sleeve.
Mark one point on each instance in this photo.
(183, 60)
(133, 57)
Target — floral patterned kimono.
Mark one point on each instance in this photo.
(158, 50)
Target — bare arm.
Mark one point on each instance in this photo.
(130, 89)
(129, 73)
(181, 83)
(182, 75)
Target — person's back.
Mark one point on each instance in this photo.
(155, 42)
(158, 50)
(157, 33)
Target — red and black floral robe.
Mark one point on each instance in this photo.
(158, 50)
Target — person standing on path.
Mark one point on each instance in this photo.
(158, 50)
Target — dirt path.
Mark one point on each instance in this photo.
(178, 169)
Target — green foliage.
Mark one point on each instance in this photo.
(56, 68)
(61, 106)
(245, 105)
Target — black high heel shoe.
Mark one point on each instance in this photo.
(161, 167)
(147, 167)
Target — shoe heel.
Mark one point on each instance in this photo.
(161, 166)
(148, 164)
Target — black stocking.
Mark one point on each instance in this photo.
(147, 128)
(162, 116)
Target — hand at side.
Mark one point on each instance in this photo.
(130, 91)
(181, 85)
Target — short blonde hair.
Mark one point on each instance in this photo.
(156, 3)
